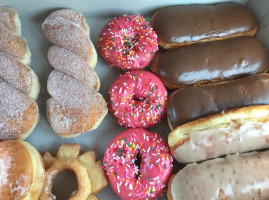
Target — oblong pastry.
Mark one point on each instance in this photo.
(237, 177)
(228, 132)
(19, 86)
(19, 75)
(18, 113)
(194, 102)
(69, 35)
(183, 25)
(72, 64)
(22, 171)
(75, 106)
(211, 62)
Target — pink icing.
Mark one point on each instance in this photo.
(127, 180)
(138, 99)
(128, 42)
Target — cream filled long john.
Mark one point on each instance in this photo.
(75, 106)
(236, 177)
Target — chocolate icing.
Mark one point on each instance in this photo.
(192, 23)
(220, 60)
(194, 102)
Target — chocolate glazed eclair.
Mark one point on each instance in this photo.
(183, 25)
(194, 102)
(211, 62)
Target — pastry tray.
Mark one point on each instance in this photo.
(97, 13)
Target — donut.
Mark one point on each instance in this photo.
(90, 176)
(178, 26)
(129, 180)
(21, 171)
(75, 105)
(128, 42)
(138, 99)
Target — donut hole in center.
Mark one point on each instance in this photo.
(68, 181)
(129, 42)
(138, 162)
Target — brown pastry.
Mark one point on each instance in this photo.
(194, 102)
(22, 171)
(91, 177)
(211, 62)
(75, 106)
(19, 86)
(184, 25)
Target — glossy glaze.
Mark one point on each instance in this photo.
(221, 60)
(195, 102)
(191, 23)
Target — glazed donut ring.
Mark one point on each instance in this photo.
(69, 157)
(84, 184)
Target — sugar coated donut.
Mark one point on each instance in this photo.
(128, 42)
(138, 99)
(128, 179)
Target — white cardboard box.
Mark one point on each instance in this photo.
(97, 12)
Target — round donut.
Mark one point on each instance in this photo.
(138, 99)
(130, 181)
(128, 42)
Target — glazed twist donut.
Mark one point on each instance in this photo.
(19, 86)
(75, 106)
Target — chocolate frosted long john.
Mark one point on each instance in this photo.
(211, 62)
(183, 25)
(194, 102)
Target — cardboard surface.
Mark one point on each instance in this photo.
(97, 12)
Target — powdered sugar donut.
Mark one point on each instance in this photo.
(128, 42)
(130, 181)
(138, 99)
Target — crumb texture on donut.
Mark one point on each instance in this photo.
(19, 85)
(75, 106)
(69, 157)
(21, 171)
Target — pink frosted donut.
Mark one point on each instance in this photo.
(138, 99)
(128, 42)
(130, 181)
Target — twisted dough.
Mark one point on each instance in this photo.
(19, 86)
(75, 106)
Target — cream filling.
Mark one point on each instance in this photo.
(237, 136)
(233, 177)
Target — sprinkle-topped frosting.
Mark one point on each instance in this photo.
(138, 99)
(128, 42)
(133, 182)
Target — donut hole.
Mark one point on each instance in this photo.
(63, 178)
(138, 160)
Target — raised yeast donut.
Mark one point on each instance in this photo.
(138, 99)
(128, 42)
(21, 171)
(128, 179)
